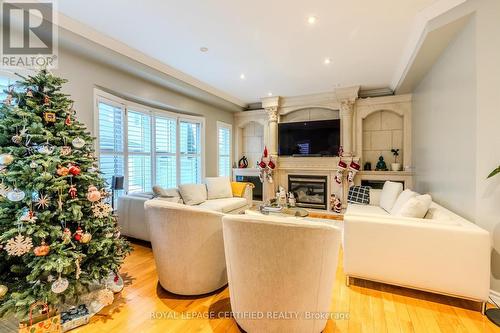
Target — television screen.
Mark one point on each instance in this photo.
(320, 138)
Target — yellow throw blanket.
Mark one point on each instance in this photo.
(239, 188)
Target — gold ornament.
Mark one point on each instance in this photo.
(6, 159)
(42, 250)
(49, 117)
(42, 202)
(3, 290)
(86, 237)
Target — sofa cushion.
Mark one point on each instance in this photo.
(389, 195)
(218, 188)
(402, 199)
(356, 209)
(224, 205)
(166, 192)
(193, 194)
(416, 207)
(359, 195)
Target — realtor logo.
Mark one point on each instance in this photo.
(28, 34)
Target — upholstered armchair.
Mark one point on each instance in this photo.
(187, 246)
(283, 266)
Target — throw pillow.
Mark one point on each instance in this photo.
(218, 187)
(193, 194)
(359, 195)
(416, 207)
(166, 192)
(402, 199)
(389, 195)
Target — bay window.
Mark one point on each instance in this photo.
(148, 146)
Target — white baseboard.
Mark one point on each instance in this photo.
(495, 296)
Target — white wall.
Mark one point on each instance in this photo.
(85, 73)
(456, 117)
(444, 127)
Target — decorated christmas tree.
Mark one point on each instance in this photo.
(58, 235)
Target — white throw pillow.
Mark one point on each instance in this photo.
(193, 194)
(402, 199)
(389, 195)
(416, 207)
(218, 187)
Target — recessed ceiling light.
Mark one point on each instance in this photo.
(311, 19)
(327, 61)
(242, 76)
(204, 49)
(269, 94)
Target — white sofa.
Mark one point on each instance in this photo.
(441, 253)
(132, 219)
(283, 266)
(188, 247)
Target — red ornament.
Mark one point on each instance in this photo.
(74, 170)
(265, 151)
(72, 191)
(67, 122)
(78, 234)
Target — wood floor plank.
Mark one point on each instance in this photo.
(145, 307)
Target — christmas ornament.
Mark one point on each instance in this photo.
(101, 210)
(353, 170)
(49, 117)
(45, 148)
(42, 202)
(105, 296)
(86, 237)
(72, 191)
(67, 122)
(33, 164)
(66, 236)
(114, 282)
(59, 285)
(4, 190)
(3, 290)
(15, 195)
(42, 250)
(8, 99)
(6, 159)
(18, 245)
(29, 92)
(271, 164)
(339, 174)
(65, 150)
(62, 171)
(336, 204)
(93, 194)
(17, 139)
(46, 100)
(74, 170)
(29, 216)
(78, 234)
(78, 142)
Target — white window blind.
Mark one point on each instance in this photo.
(166, 151)
(111, 134)
(189, 151)
(139, 151)
(224, 149)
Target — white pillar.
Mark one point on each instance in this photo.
(271, 105)
(346, 125)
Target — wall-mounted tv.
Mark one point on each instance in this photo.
(309, 138)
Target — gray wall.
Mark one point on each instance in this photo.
(444, 127)
(457, 125)
(85, 73)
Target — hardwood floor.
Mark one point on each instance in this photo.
(145, 307)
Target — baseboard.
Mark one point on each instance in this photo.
(495, 296)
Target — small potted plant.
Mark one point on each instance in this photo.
(494, 172)
(395, 166)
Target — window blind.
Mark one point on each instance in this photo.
(139, 151)
(166, 151)
(224, 150)
(190, 152)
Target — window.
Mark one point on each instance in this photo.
(224, 149)
(149, 147)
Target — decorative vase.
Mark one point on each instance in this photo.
(395, 166)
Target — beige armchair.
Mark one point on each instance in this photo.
(282, 266)
(187, 246)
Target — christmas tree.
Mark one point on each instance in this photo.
(58, 235)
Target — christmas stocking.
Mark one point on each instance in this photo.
(353, 170)
(340, 172)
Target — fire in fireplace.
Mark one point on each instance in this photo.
(309, 191)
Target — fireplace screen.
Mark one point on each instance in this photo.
(309, 191)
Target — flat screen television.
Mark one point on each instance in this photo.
(309, 138)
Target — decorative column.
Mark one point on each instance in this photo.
(346, 126)
(271, 106)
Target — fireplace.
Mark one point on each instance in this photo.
(309, 191)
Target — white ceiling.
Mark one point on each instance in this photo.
(269, 41)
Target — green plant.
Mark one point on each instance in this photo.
(494, 172)
(395, 152)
